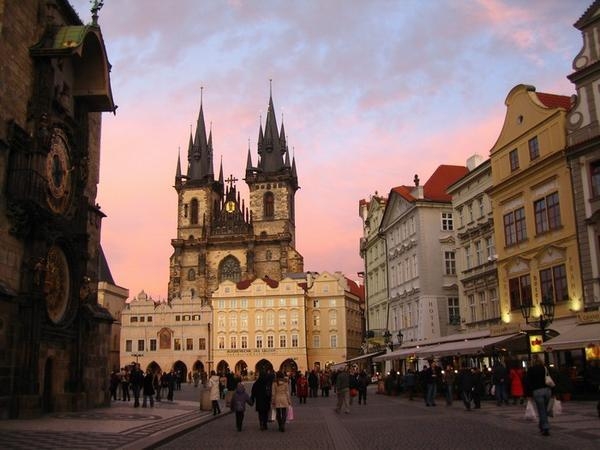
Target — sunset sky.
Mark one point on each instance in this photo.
(371, 93)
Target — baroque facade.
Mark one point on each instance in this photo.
(418, 226)
(479, 302)
(532, 199)
(54, 335)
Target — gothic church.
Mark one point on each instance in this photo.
(221, 238)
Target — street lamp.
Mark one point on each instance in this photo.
(387, 337)
(545, 318)
(136, 356)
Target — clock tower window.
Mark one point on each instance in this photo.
(269, 205)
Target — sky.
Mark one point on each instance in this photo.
(371, 92)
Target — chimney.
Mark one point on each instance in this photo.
(417, 192)
(474, 161)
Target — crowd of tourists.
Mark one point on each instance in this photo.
(132, 382)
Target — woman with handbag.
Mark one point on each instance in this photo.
(538, 387)
(281, 399)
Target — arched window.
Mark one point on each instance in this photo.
(191, 275)
(194, 211)
(269, 205)
(229, 269)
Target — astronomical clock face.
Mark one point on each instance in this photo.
(57, 284)
(58, 173)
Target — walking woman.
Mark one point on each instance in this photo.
(535, 382)
(213, 384)
(281, 399)
(261, 396)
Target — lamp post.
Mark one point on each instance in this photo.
(387, 338)
(136, 356)
(543, 320)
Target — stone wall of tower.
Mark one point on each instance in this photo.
(280, 223)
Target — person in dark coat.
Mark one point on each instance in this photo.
(478, 380)
(238, 404)
(313, 384)
(466, 384)
(261, 396)
(535, 387)
(148, 389)
(363, 382)
(137, 382)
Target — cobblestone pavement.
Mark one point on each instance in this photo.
(384, 423)
(118, 427)
(395, 422)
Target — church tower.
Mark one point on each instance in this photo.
(273, 183)
(220, 238)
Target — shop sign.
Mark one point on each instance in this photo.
(535, 343)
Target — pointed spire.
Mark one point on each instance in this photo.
(271, 148)
(221, 182)
(249, 159)
(210, 170)
(178, 169)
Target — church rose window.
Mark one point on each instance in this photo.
(230, 270)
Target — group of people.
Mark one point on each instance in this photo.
(149, 386)
(271, 393)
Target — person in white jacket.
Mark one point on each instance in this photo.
(213, 384)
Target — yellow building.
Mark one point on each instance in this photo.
(259, 325)
(334, 319)
(533, 208)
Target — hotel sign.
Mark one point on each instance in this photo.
(248, 351)
(588, 317)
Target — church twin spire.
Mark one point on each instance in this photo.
(273, 159)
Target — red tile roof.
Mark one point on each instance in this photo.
(245, 284)
(355, 288)
(445, 175)
(554, 101)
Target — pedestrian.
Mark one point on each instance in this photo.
(280, 399)
(148, 389)
(302, 388)
(171, 380)
(157, 384)
(293, 381)
(196, 377)
(342, 387)
(239, 399)
(325, 383)
(478, 386)
(313, 384)
(231, 385)
(363, 382)
(125, 384)
(137, 383)
(449, 378)
(213, 384)
(261, 396)
(466, 385)
(432, 375)
(515, 376)
(410, 381)
(499, 381)
(114, 384)
(353, 391)
(536, 388)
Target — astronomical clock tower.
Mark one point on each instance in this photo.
(219, 236)
(54, 337)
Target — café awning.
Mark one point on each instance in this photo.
(580, 336)
(356, 359)
(401, 353)
(467, 346)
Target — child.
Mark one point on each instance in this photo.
(238, 404)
